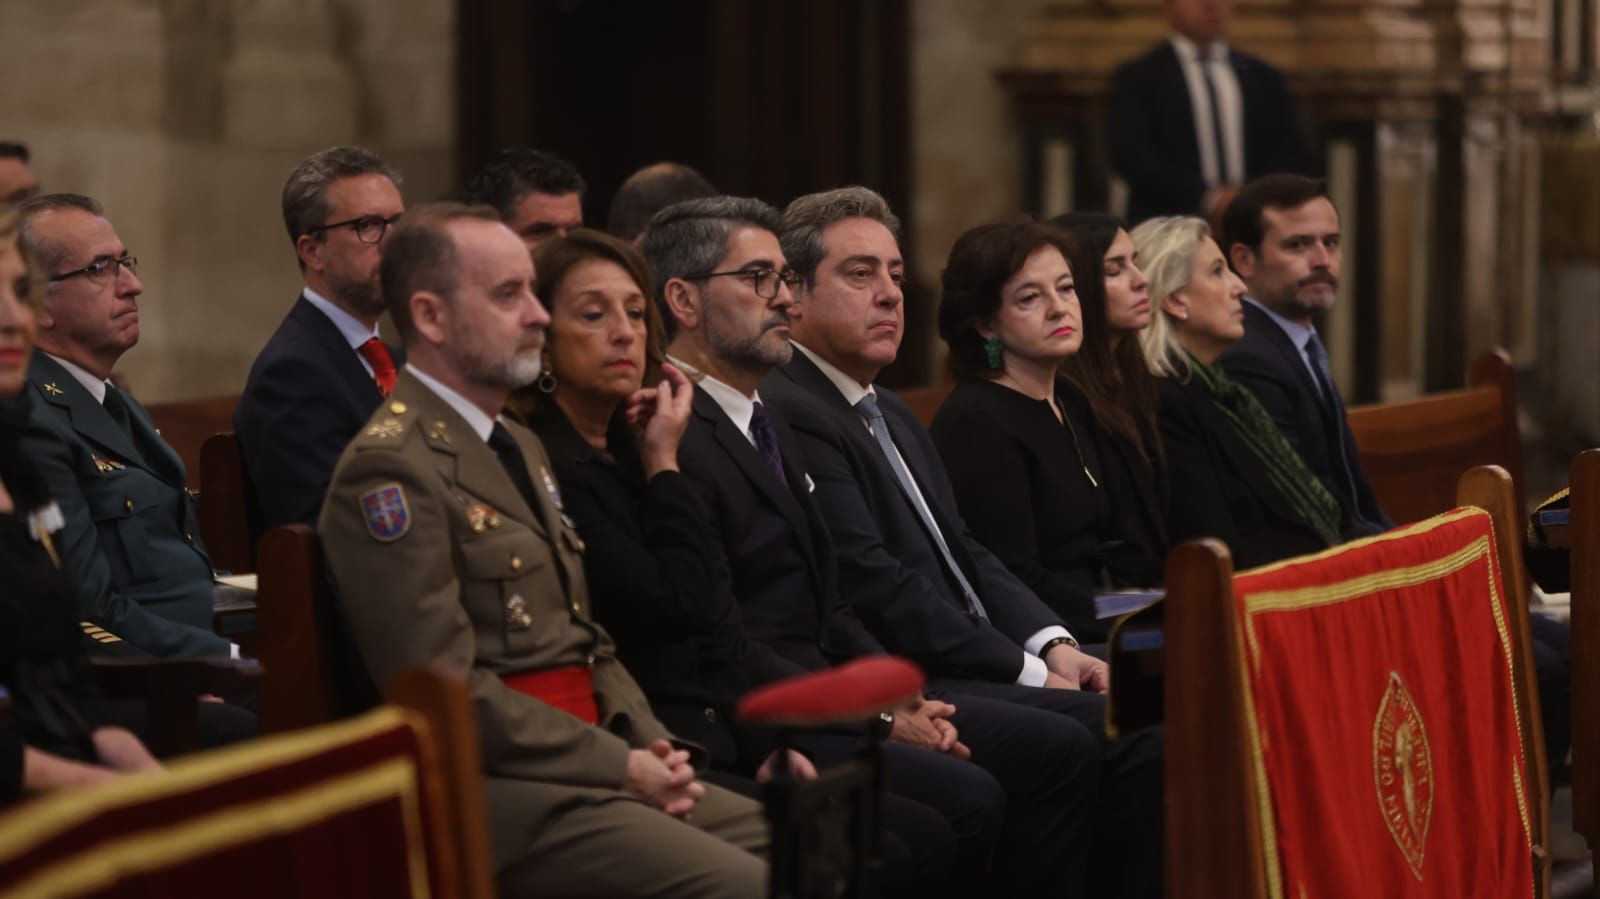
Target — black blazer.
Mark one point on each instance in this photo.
(779, 562)
(889, 567)
(652, 563)
(1021, 483)
(1266, 361)
(306, 397)
(1217, 485)
(1153, 143)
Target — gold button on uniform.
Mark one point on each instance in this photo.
(711, 715)
(397, 407)
(516, 562)
(129, 505)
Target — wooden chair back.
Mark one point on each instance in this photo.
(925, 401)
(227, 518)
(1414, 452)
(1213, 819)
(187, 425)
(358, 808)
(311, 675)
(1584, 542)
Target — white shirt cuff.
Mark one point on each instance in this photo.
(233, 650)
(1037, 641)
(1034, 671)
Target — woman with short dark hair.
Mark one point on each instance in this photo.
(1015, 437)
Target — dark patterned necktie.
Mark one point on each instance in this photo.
(766, 439)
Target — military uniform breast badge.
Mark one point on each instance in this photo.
(517, 617)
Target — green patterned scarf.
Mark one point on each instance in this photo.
(1285, 470)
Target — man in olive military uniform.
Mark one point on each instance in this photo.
(129, 537)
(445, 537)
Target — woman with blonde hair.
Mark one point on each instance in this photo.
(1233, 475)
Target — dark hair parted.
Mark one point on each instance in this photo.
(1242, 221)
(305, 193)
(1111, 374)
(420, 254)
(555, 259)
(650, 190)
(807, 217)
(981, 262)
(513, 173)
(687, 240)
(45, 257)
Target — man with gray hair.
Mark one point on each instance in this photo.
(906, 561)
(1022, 792)
(325, 369)
(128, 534)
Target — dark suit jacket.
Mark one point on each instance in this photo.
(130, 541)
(779, 561)
(1153, 143)
(655, 583)
(306, 397)
(889, 567)
(1217, 486)
(1266, 361)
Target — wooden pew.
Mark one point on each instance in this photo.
(1582, 536)
(187, 425)
(925, 401)
(387, 804)
(1213, 825)
(1414, 451)
(228, 521)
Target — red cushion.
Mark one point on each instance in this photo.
(852, 692)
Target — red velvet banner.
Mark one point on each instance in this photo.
(1385, 778)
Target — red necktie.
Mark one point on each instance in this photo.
(377, 355)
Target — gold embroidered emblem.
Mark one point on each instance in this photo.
(517, 617)
(389, 427)
(52, 389)
(104, 464)
(1402, 771)
(438, 432)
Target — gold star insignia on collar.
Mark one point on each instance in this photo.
(52, 389)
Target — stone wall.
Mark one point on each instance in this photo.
(184, 116)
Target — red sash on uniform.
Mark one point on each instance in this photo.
(569, 689)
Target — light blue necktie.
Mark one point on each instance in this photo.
(868, 409)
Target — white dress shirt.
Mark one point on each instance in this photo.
(95, 386)
(1034, 670)
(1230, 103)
(355, 332)
(1299, 335)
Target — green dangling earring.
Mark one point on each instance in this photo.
(991, 350)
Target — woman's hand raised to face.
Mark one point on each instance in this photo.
(661, 414)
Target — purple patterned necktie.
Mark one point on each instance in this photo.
(766, 441)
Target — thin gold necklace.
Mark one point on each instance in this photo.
(1067, 420)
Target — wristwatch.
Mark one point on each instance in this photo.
(1054, 642)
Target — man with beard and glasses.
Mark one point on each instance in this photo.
(1281, 234)
(325, 369)
(448, 545)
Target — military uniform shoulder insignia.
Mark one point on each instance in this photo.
(386, 512)
(388, 428)
(51, 388)
(438, 431)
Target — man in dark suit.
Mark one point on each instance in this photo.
(537, 193)
(906, 562)
(722, 279)
(1192, 120)
(129, 538)
(1281, 234)
(325, 369)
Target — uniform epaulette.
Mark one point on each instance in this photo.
(388, 427)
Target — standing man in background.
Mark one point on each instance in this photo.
(1193, 120)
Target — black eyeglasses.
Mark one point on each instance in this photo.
(368, 228)
(764, 281)
(100, 268)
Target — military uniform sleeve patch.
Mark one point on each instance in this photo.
(388, 517)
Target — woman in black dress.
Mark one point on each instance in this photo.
(1016, 439)
(1110, 373)
(55, 736)
(1234, 476)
